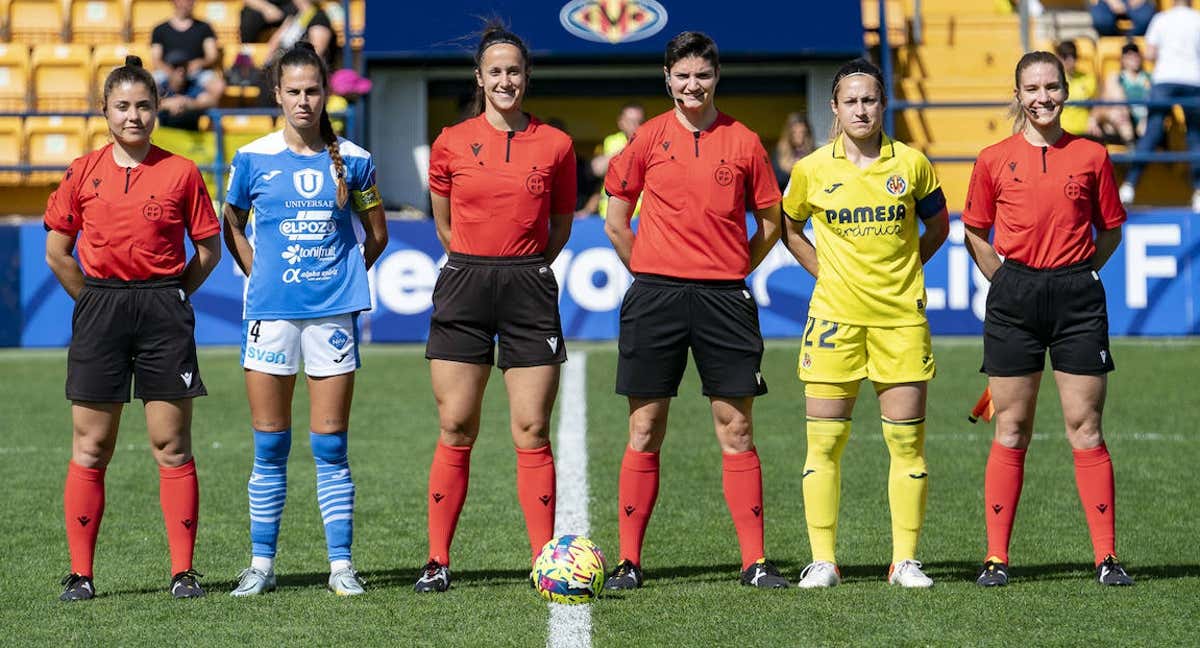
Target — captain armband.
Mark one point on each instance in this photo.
(365, 199)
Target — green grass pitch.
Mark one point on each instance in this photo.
(692, 597)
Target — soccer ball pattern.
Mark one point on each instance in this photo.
(569, 569)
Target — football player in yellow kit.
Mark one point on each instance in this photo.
(864, 193)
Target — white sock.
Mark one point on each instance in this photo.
(336, 565)
(264, 565)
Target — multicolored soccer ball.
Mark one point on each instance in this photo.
(570, 570)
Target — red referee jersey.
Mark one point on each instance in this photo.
(502, 185)
(131, 220)
(696, 187)
(1044, 200)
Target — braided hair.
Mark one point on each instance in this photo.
(302, 54)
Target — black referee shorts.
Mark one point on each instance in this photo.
(661, 317)
(479, 299)
(1061, 309)
(143, 330)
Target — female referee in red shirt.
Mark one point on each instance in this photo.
(130, 204)
(697, 170)
(1045, 192)
(502, 185)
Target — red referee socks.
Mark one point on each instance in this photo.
(535, 492)
(83, 506)
(448, 479)
(637, 491)
(1001, 492)
(179, 496)
(741, 479)
(1094, 479)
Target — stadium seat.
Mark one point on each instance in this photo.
(1108, 52)
(107, 57)
(14, 78)
(35, 21)
(897, 23)
(53, 141)
(248, 124)
(12, 148)
(145, 15)
(242, 95)
(97, 133)
(62, 77)
(225, 18)
(98, 21)
(955, 130)
(258, 52)
(358, 23)
(982, 64)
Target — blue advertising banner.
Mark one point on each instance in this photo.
(1153, 285)
(598, 28)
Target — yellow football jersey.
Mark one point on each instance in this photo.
(866, 232)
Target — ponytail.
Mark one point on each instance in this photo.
(303, 53)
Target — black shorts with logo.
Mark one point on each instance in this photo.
(661, 317)
(478, 300)
(1061, 309)
(144, 330)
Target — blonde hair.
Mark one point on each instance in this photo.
(786, 154)
(1015, 111)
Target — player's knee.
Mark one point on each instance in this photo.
(826, 440)
(172, 455)
(457, 433)
(531, 433)
(1084, 435)
(905, 439)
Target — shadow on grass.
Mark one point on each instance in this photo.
(968, 571)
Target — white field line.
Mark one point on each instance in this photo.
(570, 626)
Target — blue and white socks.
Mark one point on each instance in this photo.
(335, 495)
(268, 492)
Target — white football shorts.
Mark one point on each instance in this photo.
(328, 345)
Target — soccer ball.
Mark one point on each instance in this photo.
(569, 569)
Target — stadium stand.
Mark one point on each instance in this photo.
(97, 21)
(62, 77)
(14, 78)
(12, 149)
(35, 21)
(145, 15)
(53, 141)
(223, 16)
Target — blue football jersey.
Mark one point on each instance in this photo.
(307, 260)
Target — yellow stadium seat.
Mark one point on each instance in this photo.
(1109, 54)
(98, 21)
(12, 148)
(53, 141)
(358, 23)
(224, 16)
(953, 130)
(945, 62)
(897, 24)
(35, 21)
(258, 52)
(248, 124)
(107, 57)
(14, 77)
(97, 133)
(62, 77)
(145, 15)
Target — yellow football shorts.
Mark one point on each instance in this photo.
(832, 352)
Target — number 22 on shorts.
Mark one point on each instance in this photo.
(823, 339)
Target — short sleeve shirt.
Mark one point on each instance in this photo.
(503, 186)
(696, 187)
(131, 221)
(867, 235)
(190, 40)
(1044, 200)
(307, 261)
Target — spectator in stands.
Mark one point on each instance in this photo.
(306, 21)
(1173, 43)
(795, 142)
(1078, 120)
(260, 15)
(183, 34)
(1106, 12)
(183, 98)
(629, 119)
(1130, 83)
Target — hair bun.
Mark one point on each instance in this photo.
(305, 45)
(133, 61)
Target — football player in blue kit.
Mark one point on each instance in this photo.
(315, 201)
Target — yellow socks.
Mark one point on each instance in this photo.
(822, 483)
(908, 484)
